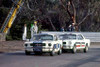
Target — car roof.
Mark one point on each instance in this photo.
(72, 33)
(44, 34)
(58, 33)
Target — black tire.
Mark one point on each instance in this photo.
(74, 49)
(86, 49)
(52, 53)
(63, 51)
(27, 52)
(36, 53)
(60, 52)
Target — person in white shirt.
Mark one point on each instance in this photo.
(35, 27)
(25, 32)
(32, 30)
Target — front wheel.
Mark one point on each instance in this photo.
(52, 53)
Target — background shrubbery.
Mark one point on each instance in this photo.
(51, 16)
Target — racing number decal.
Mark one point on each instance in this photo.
(56, 46)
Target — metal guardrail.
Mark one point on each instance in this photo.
(93, 36)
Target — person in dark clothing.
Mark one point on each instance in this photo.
(71, 27)
(62, 29)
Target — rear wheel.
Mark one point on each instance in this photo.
(74, 49)
(86, 49)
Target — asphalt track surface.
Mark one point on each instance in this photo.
(80, 59)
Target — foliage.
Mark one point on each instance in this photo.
(51, 15)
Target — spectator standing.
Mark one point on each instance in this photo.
(35, 27)
(71, 27)
(32, 30)
(62, 29)
(25, 32)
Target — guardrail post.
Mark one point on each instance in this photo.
(2, 37)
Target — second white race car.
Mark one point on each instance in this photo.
(74, 42)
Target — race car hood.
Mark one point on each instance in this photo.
(47, 41)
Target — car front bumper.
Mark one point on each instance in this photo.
(67, 47)
(44, 50)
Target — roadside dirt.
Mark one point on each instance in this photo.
(11, 46)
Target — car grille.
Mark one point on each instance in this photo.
(37, 44)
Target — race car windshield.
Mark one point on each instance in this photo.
(43, 37)
(68, 36)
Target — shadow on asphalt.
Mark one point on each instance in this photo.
(1, 52)
(69, 52)
(21, 54)
(32, 54)
(91, 50)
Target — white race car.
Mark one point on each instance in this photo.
(75, 41)
(44, 43)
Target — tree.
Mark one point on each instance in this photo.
(54, 14)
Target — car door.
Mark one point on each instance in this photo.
(56, 43)
(81, 41)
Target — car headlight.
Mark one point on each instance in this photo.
(49, 44)
(64, 42)
(26, 45)
(43, 44)
(31, 44)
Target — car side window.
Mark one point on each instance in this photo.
(80, 37)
